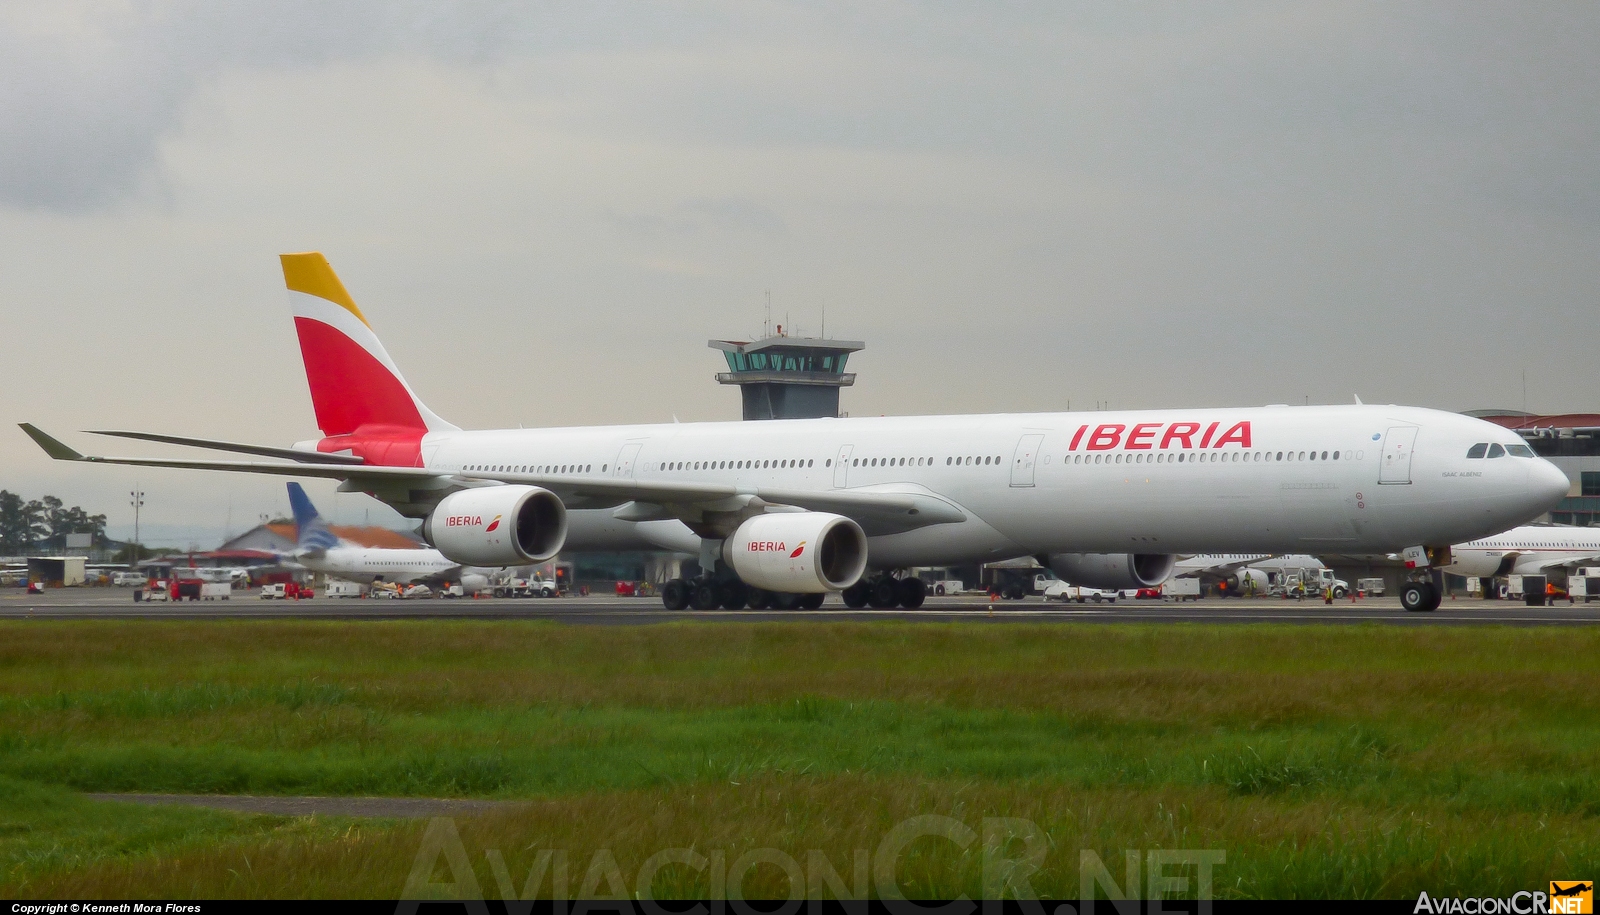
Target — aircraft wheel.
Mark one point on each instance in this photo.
(855, 596)
(912, 592)
(704, 596)
(733, 595)
(812, 601)
(1418, 597)
(785, 600)
(883, 593)
(675, 594)
(759, 599)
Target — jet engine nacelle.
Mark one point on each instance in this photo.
(498, 526)
(1245, 580)
(798, 552)
(1112, 571)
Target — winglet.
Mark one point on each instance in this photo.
(55, 449)
(1358, 401)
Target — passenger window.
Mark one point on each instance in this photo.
(1324, 455)
(1496, 451)
(1336, 455)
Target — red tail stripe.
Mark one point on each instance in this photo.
(349, 387)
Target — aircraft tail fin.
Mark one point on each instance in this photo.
(354, 383)
(311, 533)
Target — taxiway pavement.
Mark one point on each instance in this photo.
(116, 603)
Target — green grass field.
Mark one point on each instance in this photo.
(1323, 761)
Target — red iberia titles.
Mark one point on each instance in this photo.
(1158, 436)
(463, 521)
(768, 546)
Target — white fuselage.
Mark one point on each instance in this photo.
(1270, 480)
(1526, 551)
(367, 565)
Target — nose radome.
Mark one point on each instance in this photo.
(1550, 483)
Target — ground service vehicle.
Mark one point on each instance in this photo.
(798, 508)
(1530, 589)
(1371, 587)
(1064, 591)
(1181, 589)
(338, 587)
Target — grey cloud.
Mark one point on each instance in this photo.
(86, 105)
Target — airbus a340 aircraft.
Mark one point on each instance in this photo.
(1530, 550)
(320, 550)
(784, 511)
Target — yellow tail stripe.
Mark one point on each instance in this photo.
(309, 272)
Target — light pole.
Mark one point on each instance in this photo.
(137, 502)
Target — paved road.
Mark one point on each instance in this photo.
(114, 603)
(301, 806)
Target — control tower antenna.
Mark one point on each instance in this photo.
(766, 326)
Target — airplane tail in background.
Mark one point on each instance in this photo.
(356, 389)
(311, 534)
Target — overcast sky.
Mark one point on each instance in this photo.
(546, 209)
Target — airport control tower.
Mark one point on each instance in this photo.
(782, 377)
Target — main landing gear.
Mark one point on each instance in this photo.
(884, 592)
(731, 594)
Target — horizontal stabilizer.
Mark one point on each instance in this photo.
(293, 454)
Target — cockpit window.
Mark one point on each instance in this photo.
(1495, 450)
(1519, 451)
(1476, 451)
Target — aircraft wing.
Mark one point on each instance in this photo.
(1530, 564)
(879, 510)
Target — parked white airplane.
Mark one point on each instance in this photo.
(320, 550)
(1530, 550)
(788, 510)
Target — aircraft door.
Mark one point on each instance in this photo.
(626, 457)
(1024, 460)
(1398, 444)
(841, 467)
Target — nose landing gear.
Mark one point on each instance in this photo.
(1420, 596)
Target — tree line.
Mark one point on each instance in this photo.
(43, 523)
